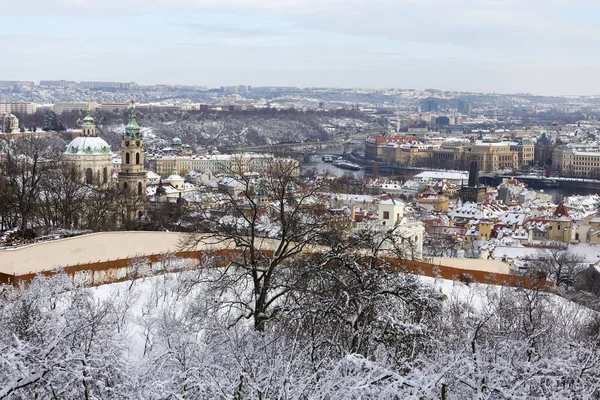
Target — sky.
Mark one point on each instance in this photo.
(503, 46)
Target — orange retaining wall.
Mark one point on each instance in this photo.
(100, 273)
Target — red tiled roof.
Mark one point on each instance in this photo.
(561, 210)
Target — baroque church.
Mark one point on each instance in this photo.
(93, 156)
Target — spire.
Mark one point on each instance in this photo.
(88, 126)
(561, 210)
(132, 130)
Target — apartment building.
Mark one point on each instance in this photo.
(576, 163)
(106, 85)
(19, 108)
(405, 154)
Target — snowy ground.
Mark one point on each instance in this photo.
(153, 295)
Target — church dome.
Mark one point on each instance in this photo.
(88, 145)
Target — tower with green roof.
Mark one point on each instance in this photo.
(132, 176)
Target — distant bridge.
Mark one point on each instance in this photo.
(304, 148)
(541, 182)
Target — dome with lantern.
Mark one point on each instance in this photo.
(88, 142)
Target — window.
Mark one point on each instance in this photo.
(125, 186)
(139, 188)
(126, 158)
(137, 158)
(104, 175)
(88, 176)
(386, 215)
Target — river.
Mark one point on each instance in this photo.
(318, 166)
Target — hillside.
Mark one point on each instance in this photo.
(237, 129)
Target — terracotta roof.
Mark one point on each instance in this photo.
(393, 139)
(561, 210)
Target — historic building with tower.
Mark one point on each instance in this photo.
(90, 154)
(132, 176)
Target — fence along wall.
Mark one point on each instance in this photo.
(94, 274)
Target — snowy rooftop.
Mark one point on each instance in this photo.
(440, 175)
(513, 218)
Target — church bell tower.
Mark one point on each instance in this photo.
(132, 176)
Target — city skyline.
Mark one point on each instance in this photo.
(502, 46)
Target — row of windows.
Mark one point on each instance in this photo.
(139, 187)
(128, 158)
(89, 176)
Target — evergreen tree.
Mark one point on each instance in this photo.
(50, 121)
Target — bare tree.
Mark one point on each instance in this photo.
(441, 245)
(26, 163)
(62, 198)
(559, 264)
(270, 218)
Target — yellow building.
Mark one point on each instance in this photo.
(437, 202)
(578, 164)
(404, 154)
(485, 229)
(561, 225)
(490, 156)
(526, 151)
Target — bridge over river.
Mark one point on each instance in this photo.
(542, 182)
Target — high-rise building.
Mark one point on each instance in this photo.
(59, 83)
(429, 105)
(29, 84)
(107, 85)
(464, 107)
(19, 108)
(132, 176)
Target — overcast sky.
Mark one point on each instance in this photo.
(507, 46)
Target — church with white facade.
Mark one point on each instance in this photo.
(91, 155)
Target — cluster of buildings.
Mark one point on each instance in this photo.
(508, 216)
(93, 156)
(453, 154)
(217, 163)
(166, 178)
